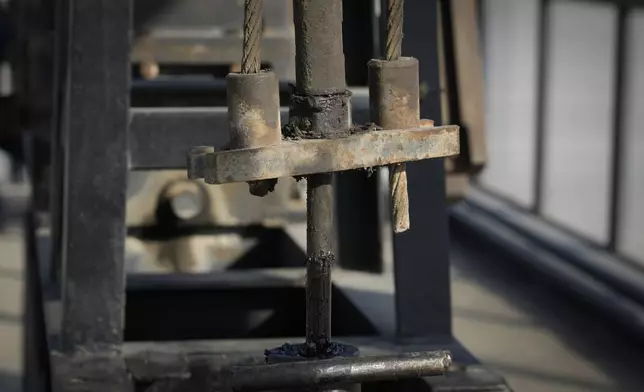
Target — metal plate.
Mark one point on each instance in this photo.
(304, 157)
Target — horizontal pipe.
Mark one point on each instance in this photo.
(602, 265)
(469, 218)
(336, 371)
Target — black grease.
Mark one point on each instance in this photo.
(262, 188)
(297, 352)
(318, 116)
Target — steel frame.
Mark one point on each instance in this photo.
(103, 139)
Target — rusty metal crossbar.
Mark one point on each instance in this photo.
(311, 156)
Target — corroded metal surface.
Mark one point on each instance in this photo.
(319, 109)
(318, 116)
(394, 104)
(319, 261)
(253, 104)
(197, 161)
(304, 157)
(253, 109)
(393, 93)
(318, 45)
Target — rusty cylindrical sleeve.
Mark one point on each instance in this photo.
(394, 103)
(393, 93)
(253, 109)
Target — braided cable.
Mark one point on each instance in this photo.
(253, 10)
(398, 176)
(393, 47)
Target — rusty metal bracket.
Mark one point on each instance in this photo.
(319, 140)
(310, 156)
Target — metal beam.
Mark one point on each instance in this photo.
(159, 138)
(421, 254)
(93, 286)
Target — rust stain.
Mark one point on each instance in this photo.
(255, 131)
(304, 157)
(426, 122)
(401, 111)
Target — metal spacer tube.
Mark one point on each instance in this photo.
(394, 99)
(253, 110)
(254, 116)
(394, 102)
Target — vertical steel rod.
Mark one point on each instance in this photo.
(319, 58)
(319, 63)
(319, 261)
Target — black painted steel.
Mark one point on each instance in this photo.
(93, 286)
(258, 303)
(160, 138)
(35, 361)
(421, 255)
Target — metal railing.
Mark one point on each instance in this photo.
(617, 155)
